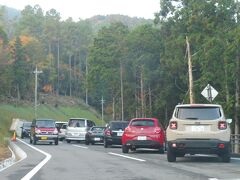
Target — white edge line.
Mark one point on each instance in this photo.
(128, 157)
(14, 157)
(39, 166)
(83, 147)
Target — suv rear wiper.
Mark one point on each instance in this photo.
(194, 118)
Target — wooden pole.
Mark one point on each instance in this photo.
(191, 94)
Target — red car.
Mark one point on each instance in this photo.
(143, 133)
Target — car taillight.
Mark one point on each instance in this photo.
(108, 133)
(222, 125)
(37, 131)
(157, 130)
(173, 125)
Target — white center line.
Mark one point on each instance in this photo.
(128, 157)
(39, 166)
(83, 147)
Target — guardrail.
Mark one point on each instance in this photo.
(235, 143)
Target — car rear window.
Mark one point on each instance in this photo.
(45, 124)
(76, 123)
(142, 123)
(98, 129)
(198, 113)
(119, 125)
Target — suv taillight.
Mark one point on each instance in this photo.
(157, 130)
(222, 125)
(108, 132)
(173, 125)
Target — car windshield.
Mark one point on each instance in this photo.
(27, 124)
(45, 123)
(119, 125)
(198, 113)
(142, 123)
(76, 123)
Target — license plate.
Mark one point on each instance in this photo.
(198, 128)
(97, 139)
(119, 133)
(142, 138)
(44, 138)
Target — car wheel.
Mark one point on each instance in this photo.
(30, 140)
(68, 141)
(226, 157)
(171, 157)
(125, 149)
(87, 142)
(161, 150)
(56, 142)
(105, 143)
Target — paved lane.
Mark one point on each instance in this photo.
(78, 161)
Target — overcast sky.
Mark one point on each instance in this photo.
(87, 8)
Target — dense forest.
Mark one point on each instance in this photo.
(139, 70)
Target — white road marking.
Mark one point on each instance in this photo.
(128, 157)
(39, 166)
(83, 147)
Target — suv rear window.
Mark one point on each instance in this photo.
(198, 113)
(142, 123)
(76, 123)
(45, 124)
(119, 125)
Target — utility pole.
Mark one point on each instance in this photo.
(102, 102)
(191, 94)
(36, 72)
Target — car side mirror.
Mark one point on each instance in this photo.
(229, 121)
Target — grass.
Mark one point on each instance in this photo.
(60, 113)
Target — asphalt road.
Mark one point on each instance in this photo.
(94, 162)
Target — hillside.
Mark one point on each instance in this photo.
(54, 107)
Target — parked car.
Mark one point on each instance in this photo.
(198, 129)
(25, 129)
(143, 133)
(43, 130)
(62, 132)
(113, 133)
(77, 129)
(95, 135)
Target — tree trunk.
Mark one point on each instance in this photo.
(236, 116)
(70, 76)
(121, 79)
(86, 82)
(58, 65)
(113, 108)
(142, 95)
(150, 101)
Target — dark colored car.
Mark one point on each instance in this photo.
(113, 133)
(26, 127)
(44, 130)
(95, 135)
(143, 133)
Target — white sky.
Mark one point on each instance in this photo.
(87, 8)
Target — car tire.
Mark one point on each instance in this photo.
(30, 140)
(226, 157)
(87, 142)
(125, 149)
(56, 142)
(171, 156)
(68, 141)
(105, 143)
(161, 150)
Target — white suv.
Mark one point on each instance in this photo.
(198, 128)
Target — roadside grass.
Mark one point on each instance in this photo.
(60, 113)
